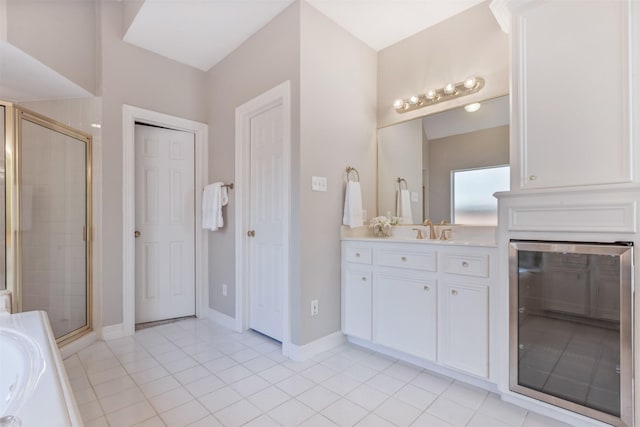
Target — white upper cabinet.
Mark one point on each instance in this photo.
(571, 92)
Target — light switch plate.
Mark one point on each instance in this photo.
(414, 196)
(318, 183)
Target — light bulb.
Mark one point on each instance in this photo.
(471, 108)
(414, 100)
(470, 82)
(431, 94)
(449, 88)
(398, 104)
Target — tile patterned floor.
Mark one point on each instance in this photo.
(197, 373)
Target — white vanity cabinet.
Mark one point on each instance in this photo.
(464, 315)
(405, 313)
(464, 310)
(356, 291)
(571, 93)
(426, 300)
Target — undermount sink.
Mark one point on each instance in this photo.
(21, 366)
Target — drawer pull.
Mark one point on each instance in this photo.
(426, 288)
(465, 264)
(404, 259)
(454, 292)
(533, 178)
(364, 279)
(357, 254)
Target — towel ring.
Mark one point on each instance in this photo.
(400, 181)
(350, 170)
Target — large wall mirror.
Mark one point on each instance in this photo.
(445, 166)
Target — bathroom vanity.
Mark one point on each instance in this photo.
(425, 301)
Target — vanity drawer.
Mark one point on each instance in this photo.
(417, 259)
(467, 265)
(360, 255)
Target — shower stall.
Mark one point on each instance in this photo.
(46, 184)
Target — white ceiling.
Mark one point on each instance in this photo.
(200, 33)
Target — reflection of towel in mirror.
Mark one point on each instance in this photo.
(352, 205)
(213, 199)
(403, 206)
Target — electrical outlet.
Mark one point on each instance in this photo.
(224, 289)
(314, 307)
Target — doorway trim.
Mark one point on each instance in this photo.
(279, 95)
(132, 115)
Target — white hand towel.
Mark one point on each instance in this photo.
(403, 206)
(214, 197)
(352, 205)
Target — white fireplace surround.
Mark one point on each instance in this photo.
(601, 214)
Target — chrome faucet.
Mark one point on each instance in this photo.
(432, 231)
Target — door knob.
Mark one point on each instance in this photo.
(136, 234)
(251, 233)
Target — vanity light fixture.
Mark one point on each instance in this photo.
(449, 88)
(470, 82)
(472, 108)
(435, 96)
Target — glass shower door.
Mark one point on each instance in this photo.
(53, 219)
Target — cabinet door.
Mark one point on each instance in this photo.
(464, 318)
(356, 302)
(571, 93)
(405, 314)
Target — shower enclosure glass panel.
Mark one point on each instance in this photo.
(53, 251)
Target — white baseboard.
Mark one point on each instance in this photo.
(79, 344)
(300, 353)
(112, 332)
(221, 318)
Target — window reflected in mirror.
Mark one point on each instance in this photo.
(472, 194)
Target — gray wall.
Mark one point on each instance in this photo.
(61, 34)
(268, 58)
(137, 77)
(487, 147)
(337, 129)
(468, 44)
(333, 125)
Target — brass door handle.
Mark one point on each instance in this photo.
(136, 234)
(251, 233)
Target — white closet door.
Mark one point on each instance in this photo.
(267, 214)
(165, 219)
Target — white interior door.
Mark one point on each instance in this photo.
(267, 219)
(165, 247)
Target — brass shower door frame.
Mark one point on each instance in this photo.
(15, 115)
